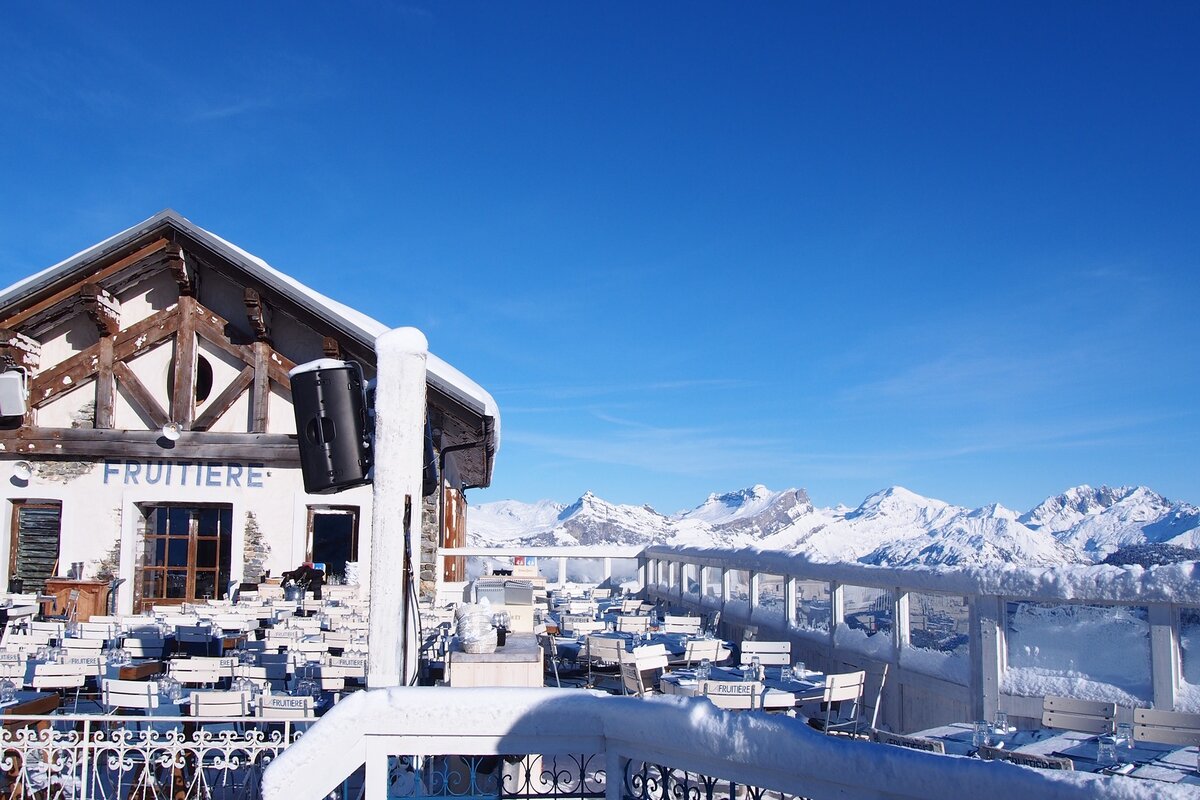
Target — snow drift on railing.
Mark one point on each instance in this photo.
(1172, 583)
(768, 751)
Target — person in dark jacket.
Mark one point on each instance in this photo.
(307, 577)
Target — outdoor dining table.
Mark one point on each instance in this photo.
(675, 643)
(1149, 760)
(779, 694)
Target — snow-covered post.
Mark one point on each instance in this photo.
(1164, 654)
(399, 450)
(987, 655)
(562, 571)
(790, 584)
(900, 630)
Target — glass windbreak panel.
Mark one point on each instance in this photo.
(691, 579)
(739, 589)
(1096, 652)
(712, 582)
(1189, 645)
(586, 572)
(868, 609)
(770, 596)
(939, 638)
(814, 606)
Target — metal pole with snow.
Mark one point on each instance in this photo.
(401, 355)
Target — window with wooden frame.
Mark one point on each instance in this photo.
(186, 553)
(333, 538)
(33, 548)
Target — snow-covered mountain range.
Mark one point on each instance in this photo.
(893, 527)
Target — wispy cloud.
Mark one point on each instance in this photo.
(567, 391)
(229, 110)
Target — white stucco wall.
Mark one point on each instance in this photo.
(102, 505)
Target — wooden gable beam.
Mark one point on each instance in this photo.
(331, 347)
(16, 319)
(183, 395)
(225, 400)
(102, 308)
(22, 350)
(258, 314)
(128, 344)
(183, 274)
(140, 395)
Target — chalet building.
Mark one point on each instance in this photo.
(157, 440)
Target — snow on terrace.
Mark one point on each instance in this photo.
(674, 731)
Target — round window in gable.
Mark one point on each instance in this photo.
(203, 380)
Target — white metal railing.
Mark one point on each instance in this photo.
(439, 743)
(607, 556)
(87, 756)
(771, 592)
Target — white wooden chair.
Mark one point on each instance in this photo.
(733, 695)
(769, 654)
(632, 624)
(62, 678)
(1085, 716)
(194, 634)
(602, 651)
(145, 645)
(680, 624)
(696, 650)
(1166, 727)
(286, 707)
(117, 696)
(641, 668)
(630, 606)
(840, 703)
(220, 704)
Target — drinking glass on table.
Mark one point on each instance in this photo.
(785, 673)
(1106, 751)
(798, 671)
(1001, 725)
(981, 733)
(1125, 735)
(704, 670)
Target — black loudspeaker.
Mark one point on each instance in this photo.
(331, 427)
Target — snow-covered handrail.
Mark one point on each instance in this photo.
(1171, 583)
(635, 734)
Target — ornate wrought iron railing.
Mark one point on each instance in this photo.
(80, 757)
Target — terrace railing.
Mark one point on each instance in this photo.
(530, 744)
(85, 756)
(960, 644)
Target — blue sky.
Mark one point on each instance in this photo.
(689, 247)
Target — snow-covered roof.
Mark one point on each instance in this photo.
(441, 375)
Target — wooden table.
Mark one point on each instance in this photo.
(140, 671)
(517, 663)
(29, 704)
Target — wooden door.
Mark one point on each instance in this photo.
(33, 552)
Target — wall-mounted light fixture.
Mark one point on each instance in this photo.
(172, 431)
(22, 470)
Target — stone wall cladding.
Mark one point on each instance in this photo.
(255, 550)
